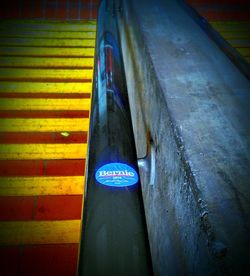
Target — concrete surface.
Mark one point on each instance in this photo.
(192, 104)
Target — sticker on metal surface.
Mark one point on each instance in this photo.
(116, 175)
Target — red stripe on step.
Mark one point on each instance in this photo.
(21, 167)
(16, 208)
(73, 13)
(95, 12)
(226, 15)
(51, 259)
(65, 167)
(58, 207)
(37, 12)
(9, 12)
(51, 13)
(74, 137)
(25, 137)
(85, 14)
(42, 167)
(75, 114)
(42, 137)
(46, 95)
(61, 13)
(44, 114)
(9, 260)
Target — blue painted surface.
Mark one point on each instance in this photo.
(116, 175)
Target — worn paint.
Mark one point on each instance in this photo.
(46, 62)
(46, 74)
(39, 232)
(47, 34)
(33, 186)
(44, 104)
(41, 125)
(44, 93)
(47, 52)
(42, 151)
(45, 87)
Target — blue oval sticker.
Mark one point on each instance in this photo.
(116, 175)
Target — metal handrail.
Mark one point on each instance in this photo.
(114, 234)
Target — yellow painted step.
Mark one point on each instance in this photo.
(46, 34)
(49, 22)
(46, 74)
(42, 151)
(231, 25)
(235, 34)
(10, 41)
(244, 51)
(79, 26)
(44, 104)
(49, 87)
(39, 232)
(46, 62)
(239, 42)
(44, 125)
(47, 52)
(37, 186)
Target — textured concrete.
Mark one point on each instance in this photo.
(192, 104)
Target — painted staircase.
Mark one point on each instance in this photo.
(46, 70)
(230, 19)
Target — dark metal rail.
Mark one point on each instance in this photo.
(114, 233)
